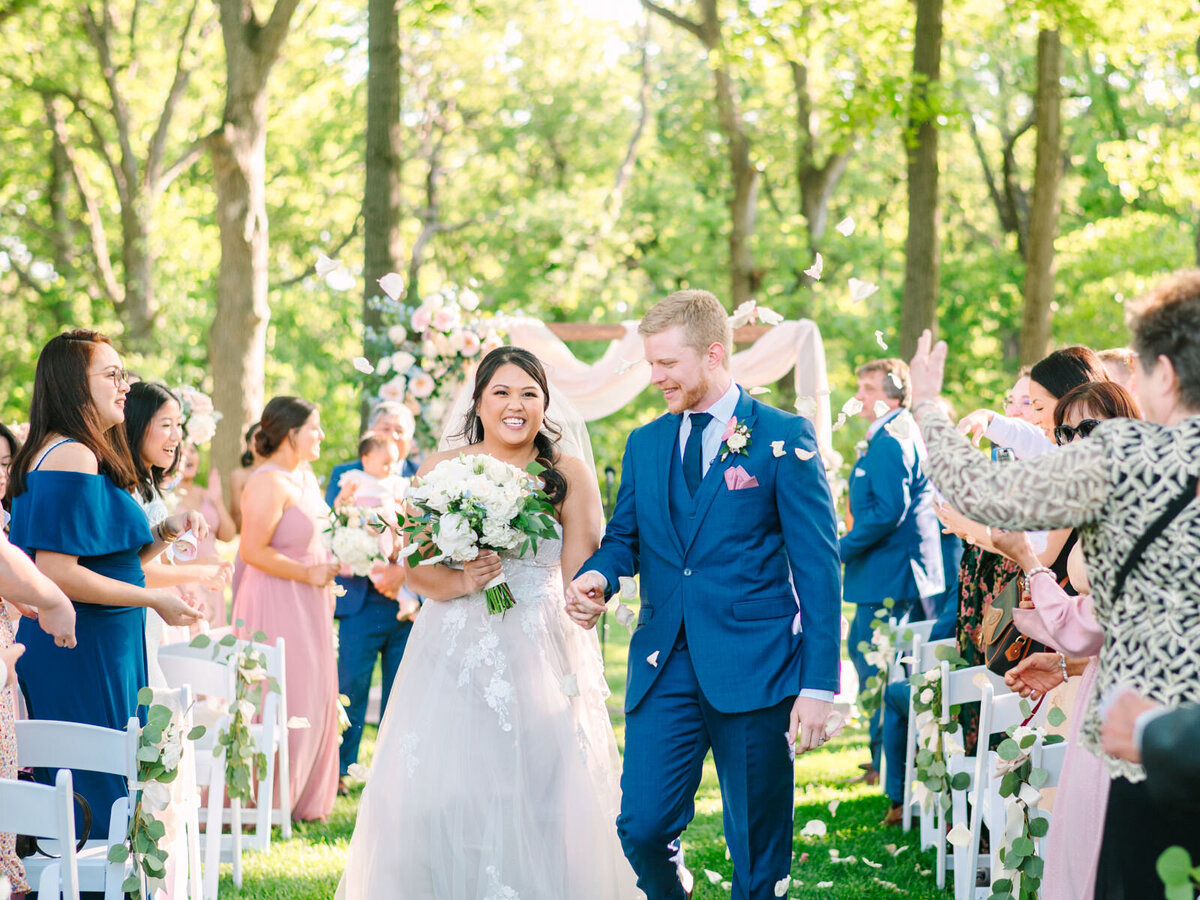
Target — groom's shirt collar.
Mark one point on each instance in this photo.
(721, 411)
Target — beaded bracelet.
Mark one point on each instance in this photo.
(1040, 570)
(1062, 662)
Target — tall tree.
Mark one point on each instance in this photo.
(382, 195)
(1043, 213)
(743, 170)
(238, 338)
(921, 257)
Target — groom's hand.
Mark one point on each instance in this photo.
(810, 718)
(585, 599)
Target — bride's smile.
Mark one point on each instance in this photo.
(512, 407)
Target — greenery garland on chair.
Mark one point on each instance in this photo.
(934, 737)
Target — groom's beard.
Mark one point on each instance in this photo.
(685, 398)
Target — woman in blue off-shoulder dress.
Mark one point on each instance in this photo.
(72, 511)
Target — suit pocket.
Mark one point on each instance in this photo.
(769, 608)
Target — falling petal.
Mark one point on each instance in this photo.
(833, 806)
(845, 227)
(881, 342)
(852, 407)
(840, 423)
(814, 271)
(611, 604)
(727, 851)
(340, 279)
(713, 877)
(782, 885)
(629, 587)
(814, 828)
(757, 391)
(805, 455)
(873, 865)
(625, 616)
(900, 428)
(653, 659)
(325, 265)
(806, 406)
(777, 448)
(337, 590)
(881, 408)
(358, 771)
(570, 685)
(959, 835)
(745, 314)
(363, 365)
(393, 285)
(626, 365)
(861, 290)
(409, 550)
(769, 316)
(298, 722)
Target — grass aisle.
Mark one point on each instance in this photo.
(886, 862)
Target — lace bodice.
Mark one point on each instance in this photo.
(1111, 487)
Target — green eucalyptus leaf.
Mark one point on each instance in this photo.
(118, 853)
(145, 696)
(1055, 716)
(1174, 866)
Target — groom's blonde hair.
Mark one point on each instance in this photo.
(702, 316)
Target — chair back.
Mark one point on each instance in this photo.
(45, 812)
(42, 743)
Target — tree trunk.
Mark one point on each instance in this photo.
(382, 194)
(1043, 216)
(137, 259)
(816, 182)
(238, 338)
(919, 307)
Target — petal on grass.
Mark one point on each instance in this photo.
(814, 828)
(713, 877)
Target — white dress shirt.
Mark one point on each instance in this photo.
(721, 412)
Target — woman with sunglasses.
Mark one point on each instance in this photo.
(74, 513)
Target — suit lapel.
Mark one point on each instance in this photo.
(714, 479)
(666, 442)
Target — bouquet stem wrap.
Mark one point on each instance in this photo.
(499, 595)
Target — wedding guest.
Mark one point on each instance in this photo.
(374, 613)
(74, 513)
(1016, 401)
(9, 445)
(1161, 739)
(1118, 362)
(1132, 489)
(250, 460)
(210, 504)
(894, 548)
(20, 579)
(284, 591)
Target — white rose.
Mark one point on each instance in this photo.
(927, 696)
(397, 334)
(455, 538)
(737, 441)
(933, 675)
(171, 755)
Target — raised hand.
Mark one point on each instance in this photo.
(215, 492)
(585, 599)
(927, 369)
(188, 520)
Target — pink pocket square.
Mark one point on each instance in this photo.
(738, 478)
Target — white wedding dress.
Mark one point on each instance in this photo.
(496, 772)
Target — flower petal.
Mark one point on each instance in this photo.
(340, 279)
(358, 771)
(782, 885)
(806, 406)
(629, 587)
(833, 806)
(814, 272)
(959, 835)
(298, 722)
(570, 685)
(845, 227)
(852, 407)
(758, 391)
(881, 408)
(625, 616)
(626, 365)
(325, 265)
(805, 454)
(392, 284)
(777, 448)
(861, 290)
(814, 828)
(653, 659)
(713, 877)
(362, 364)
(882, 344)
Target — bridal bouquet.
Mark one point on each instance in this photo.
(475, 503)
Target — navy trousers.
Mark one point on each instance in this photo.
(364, 636)
(667, 738)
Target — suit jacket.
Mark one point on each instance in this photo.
(359, 589)
(729, 571)
(895, 546)
(1169, 754)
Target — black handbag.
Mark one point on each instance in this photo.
(1003, 644)
(27, 845)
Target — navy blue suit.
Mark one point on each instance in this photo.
(368, 630)
(894, 548)
(718, 655)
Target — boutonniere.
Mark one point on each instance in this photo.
(735, 440)
(860, 448)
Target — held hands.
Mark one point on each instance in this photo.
(1116, 734)
(175, 609)
(388, 578)
(585, 599)
(927, 369)
(808, 726)
(480, 570)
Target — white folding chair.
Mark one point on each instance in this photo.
(212, 679)
(925, 653)
(88, 748)
(185, 873)
(910, 633)
(45, 812)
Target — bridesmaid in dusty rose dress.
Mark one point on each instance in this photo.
(209, 503)
(285, 592)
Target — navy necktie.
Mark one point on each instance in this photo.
(693, 450)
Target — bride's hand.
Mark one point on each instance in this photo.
(480, 570)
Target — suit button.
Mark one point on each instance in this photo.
(687, 571)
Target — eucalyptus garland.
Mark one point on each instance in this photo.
(160, 748)
(879, 653)
(932, 777)
(1179, 877)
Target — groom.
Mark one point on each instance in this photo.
(738, 640)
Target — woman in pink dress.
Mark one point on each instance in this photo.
(285, 592)
(209, 503)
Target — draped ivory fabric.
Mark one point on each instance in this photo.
(601, 388)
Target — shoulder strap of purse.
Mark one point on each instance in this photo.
(1157, 527)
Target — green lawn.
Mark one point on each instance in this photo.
(308, 866)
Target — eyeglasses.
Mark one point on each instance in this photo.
(1064, 434)
(117, 375)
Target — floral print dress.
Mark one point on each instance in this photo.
(10, 866)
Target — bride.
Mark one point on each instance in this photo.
(495, 774)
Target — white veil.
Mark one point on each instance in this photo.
(573, 441)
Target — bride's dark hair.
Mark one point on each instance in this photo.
(545, 442)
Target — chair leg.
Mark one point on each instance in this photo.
(285, 788)
(941, 843)
(235, 807)
(212, 830)
(266, 800)
(910, 763)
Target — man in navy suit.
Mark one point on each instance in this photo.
(894, 547)
(725, 511)
(369, 628)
